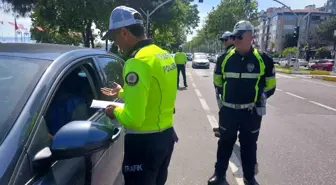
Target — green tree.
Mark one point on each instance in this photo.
(289, 51)
(63, 16)
(223, 18)
(323, 52)
(326, 29)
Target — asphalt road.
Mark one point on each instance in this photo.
(297, 143)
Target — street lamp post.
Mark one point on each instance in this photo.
(298, 40)
(148, 14)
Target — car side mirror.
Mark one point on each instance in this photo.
(80, 138)
(76, 139)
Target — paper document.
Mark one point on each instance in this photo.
(100, 104)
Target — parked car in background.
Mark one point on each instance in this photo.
(323, 64)
(276, 61)
(48, 132)
(303, 63)
(212, 58)
(290, 63)
(189, 56)
(200, 60)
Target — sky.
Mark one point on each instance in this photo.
(7, 30)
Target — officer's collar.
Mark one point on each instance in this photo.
(138, 46)
(229, 46)
(248, 53)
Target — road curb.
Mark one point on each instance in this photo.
(320, 73)
(283, 71)
(326, 78)
(324, 73)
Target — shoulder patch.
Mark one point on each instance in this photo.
(132, 78)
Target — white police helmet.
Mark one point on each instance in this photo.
(241, 27)
(225, 35)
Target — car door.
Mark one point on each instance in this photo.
(74, 171)
(100, 168)
(107, 167)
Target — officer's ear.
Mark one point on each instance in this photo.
(123, 32)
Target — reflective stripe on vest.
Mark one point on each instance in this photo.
(243, 75)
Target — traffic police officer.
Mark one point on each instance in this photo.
(149, 94)
(247, 79)
(181, 60)
(227, 39)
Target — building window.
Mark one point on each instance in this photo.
(289, 27)
(290, 17)
(315, 18)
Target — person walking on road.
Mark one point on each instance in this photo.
(247, 80)
(149, 94)
(181, 60)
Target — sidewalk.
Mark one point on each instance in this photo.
(322, 75)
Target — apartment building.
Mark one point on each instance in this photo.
(330, 6)
(275, 23)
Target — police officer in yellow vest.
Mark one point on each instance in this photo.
(247, 78)
(181, 60)
(149, 94)
(227, 39)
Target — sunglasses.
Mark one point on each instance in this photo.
(239, 37)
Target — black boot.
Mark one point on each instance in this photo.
(251, 182)
(217, 180)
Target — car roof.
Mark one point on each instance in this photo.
(41, 50)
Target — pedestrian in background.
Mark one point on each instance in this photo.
(149, 94)
(181, 60)
(248, 79)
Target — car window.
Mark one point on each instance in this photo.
(18, 78)
(112, 68)
(72, 100)
(113, 72)
(200, 57)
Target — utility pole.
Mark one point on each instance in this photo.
(148, 14)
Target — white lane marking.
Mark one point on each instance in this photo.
(6, 78)
(325, 106)
(328, 85)
(294, 95)
(279, 90)
(198, 93)
(234, 163)
(236, 169)
(284, 76)
(212, 120)
(204, 104)
(302, 76)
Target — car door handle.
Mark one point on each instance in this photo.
(117, 133)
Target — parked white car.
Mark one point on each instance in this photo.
(285, 62)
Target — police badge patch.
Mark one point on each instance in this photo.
(250, 67)
(132, 78)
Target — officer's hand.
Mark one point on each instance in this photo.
(109, 111)
(111, 91)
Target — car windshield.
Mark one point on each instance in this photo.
(18, 77)
(200, 57)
